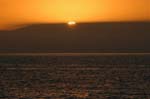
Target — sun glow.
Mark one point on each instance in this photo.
(71, 23)
(14, 13)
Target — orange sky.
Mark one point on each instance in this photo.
(16, 12)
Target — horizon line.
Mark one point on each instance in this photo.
(20, 26)
(69, 54)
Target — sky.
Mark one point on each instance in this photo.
(15, 13)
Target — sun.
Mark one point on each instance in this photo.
(71, 23)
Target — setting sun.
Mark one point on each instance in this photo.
(71, 23)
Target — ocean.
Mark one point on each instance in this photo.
(75, 76)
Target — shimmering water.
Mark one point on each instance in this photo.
(75, 76)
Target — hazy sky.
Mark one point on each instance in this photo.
(16, 12)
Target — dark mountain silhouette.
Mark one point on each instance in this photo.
(84, 37)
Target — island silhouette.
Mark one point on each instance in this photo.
(83, 37)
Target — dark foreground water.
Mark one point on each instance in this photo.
(75, 76)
